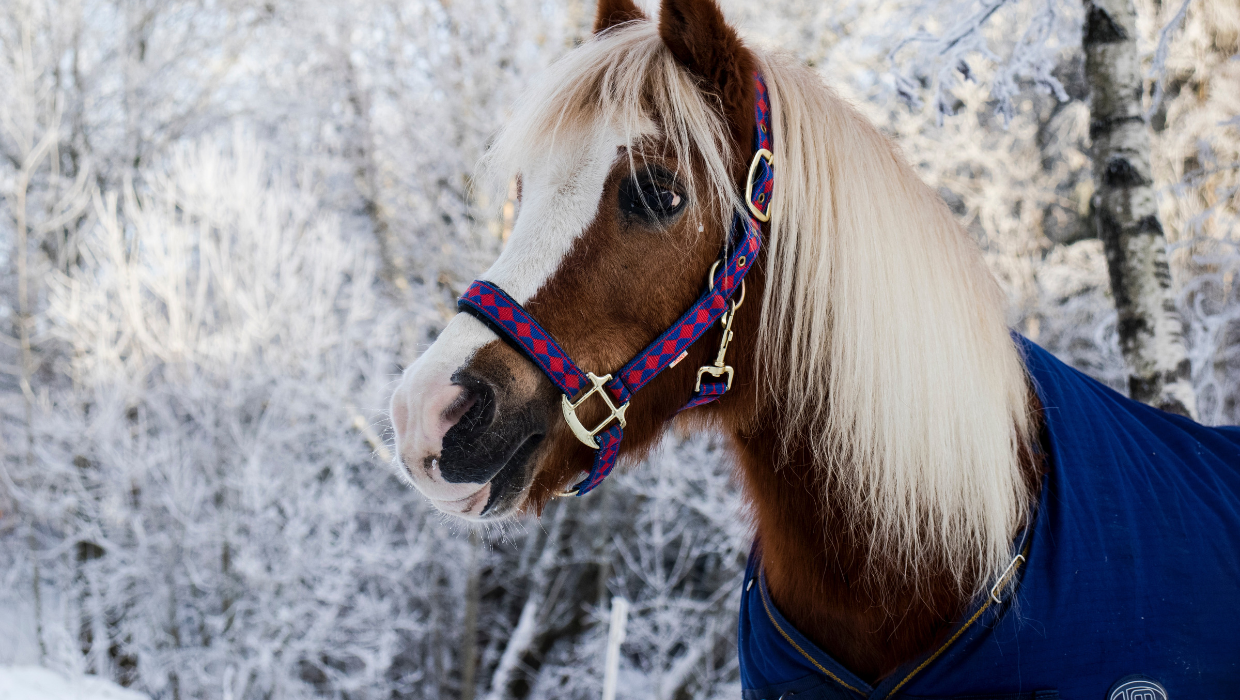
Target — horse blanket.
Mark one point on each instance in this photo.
(1130, 589)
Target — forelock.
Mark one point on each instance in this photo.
(623, 82)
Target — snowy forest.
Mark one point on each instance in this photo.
(228, 225)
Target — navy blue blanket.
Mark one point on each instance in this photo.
(1131, 590)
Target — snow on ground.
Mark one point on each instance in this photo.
(36, 683)
(18, 644)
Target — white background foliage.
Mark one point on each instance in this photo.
(227, 225)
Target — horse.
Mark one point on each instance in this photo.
(940, 508)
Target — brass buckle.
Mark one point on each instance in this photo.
(719, 369)
(585, 435)
(769, 157)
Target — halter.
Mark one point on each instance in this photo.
(504, 315)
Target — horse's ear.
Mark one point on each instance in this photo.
(703, 42)
(613, 12)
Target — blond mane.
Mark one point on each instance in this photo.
(883, 340)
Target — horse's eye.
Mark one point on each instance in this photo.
(649, 200)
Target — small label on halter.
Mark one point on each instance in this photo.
(683, 354)
(1137, 687)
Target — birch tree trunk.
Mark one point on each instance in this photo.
(1126, 214)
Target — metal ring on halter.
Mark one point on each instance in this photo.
(710, 284)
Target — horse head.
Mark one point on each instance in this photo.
(627, 174)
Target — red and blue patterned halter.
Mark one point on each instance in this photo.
(503, 314)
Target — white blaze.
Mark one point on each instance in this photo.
(561, 195)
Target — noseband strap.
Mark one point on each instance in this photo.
(507, 318)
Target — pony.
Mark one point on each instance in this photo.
(904, 456)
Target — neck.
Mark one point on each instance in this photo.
(823, 580)
(858, 605)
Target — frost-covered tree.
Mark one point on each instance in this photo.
(226, 227)
(1126, 213)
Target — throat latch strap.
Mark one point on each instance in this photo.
(509, 320)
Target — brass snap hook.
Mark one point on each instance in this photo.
(718, 368)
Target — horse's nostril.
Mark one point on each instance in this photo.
(489, 443)
(473, 411)
(458, 408)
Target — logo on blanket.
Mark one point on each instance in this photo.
(1137, 687)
